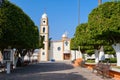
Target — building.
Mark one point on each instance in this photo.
(58, 50)
(44, 31)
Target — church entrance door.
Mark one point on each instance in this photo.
(66, 56)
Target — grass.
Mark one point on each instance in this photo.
(90, 61)
(118, 67)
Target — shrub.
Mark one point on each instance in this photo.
(113, 60)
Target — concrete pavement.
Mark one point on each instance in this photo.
(51, 71)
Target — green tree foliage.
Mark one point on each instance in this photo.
(16, 28)
(104, 21)
(103, 24)
(82, 39)
(41, 39)
(80, 36)
(109, 50)
(115, 0)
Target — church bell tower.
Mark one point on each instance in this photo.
(44, 31)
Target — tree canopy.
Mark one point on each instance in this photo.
(104, 22)
(16, 28)
(82, 39)
(80, 36)
(102, 28)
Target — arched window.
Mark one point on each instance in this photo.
(43, 29)
(43, 21)
(43, 53)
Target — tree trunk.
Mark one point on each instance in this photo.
(101, 54)
(116, 47)
(96, 56)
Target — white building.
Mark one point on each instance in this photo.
(59, 50)
(44, 31)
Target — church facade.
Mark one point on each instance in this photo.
(54, 50)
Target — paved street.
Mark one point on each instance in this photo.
(51, 71)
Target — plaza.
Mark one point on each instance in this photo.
(28, 52)
(51, 71)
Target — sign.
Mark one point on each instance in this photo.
(7, 55)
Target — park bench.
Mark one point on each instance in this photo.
(102, 69)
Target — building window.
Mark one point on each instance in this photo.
(66, 43)
(59, 48)
(43, 29)
(43, 53)
(43, 21)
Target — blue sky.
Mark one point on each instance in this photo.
(62, 14)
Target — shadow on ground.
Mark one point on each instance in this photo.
(42, 71)
(48, 76)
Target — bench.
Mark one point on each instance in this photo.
(102, 69)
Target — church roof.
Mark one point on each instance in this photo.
(44, 15)
(64, 35)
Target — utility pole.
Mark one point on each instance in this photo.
(99, 2)
(78, 12)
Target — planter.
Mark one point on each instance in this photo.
(114, 72)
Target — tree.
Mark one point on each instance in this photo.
(16, 28)
(82, 39)
(80, 36)
(104, 22)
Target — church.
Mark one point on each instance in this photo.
(59, 50)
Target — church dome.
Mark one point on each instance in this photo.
(44, 15)
(64, 35)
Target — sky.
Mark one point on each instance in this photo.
(62, 14)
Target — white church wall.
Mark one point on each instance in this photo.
(56, 51)
(50, 54)
(67, 45)
(43, 56)
(58, 56)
